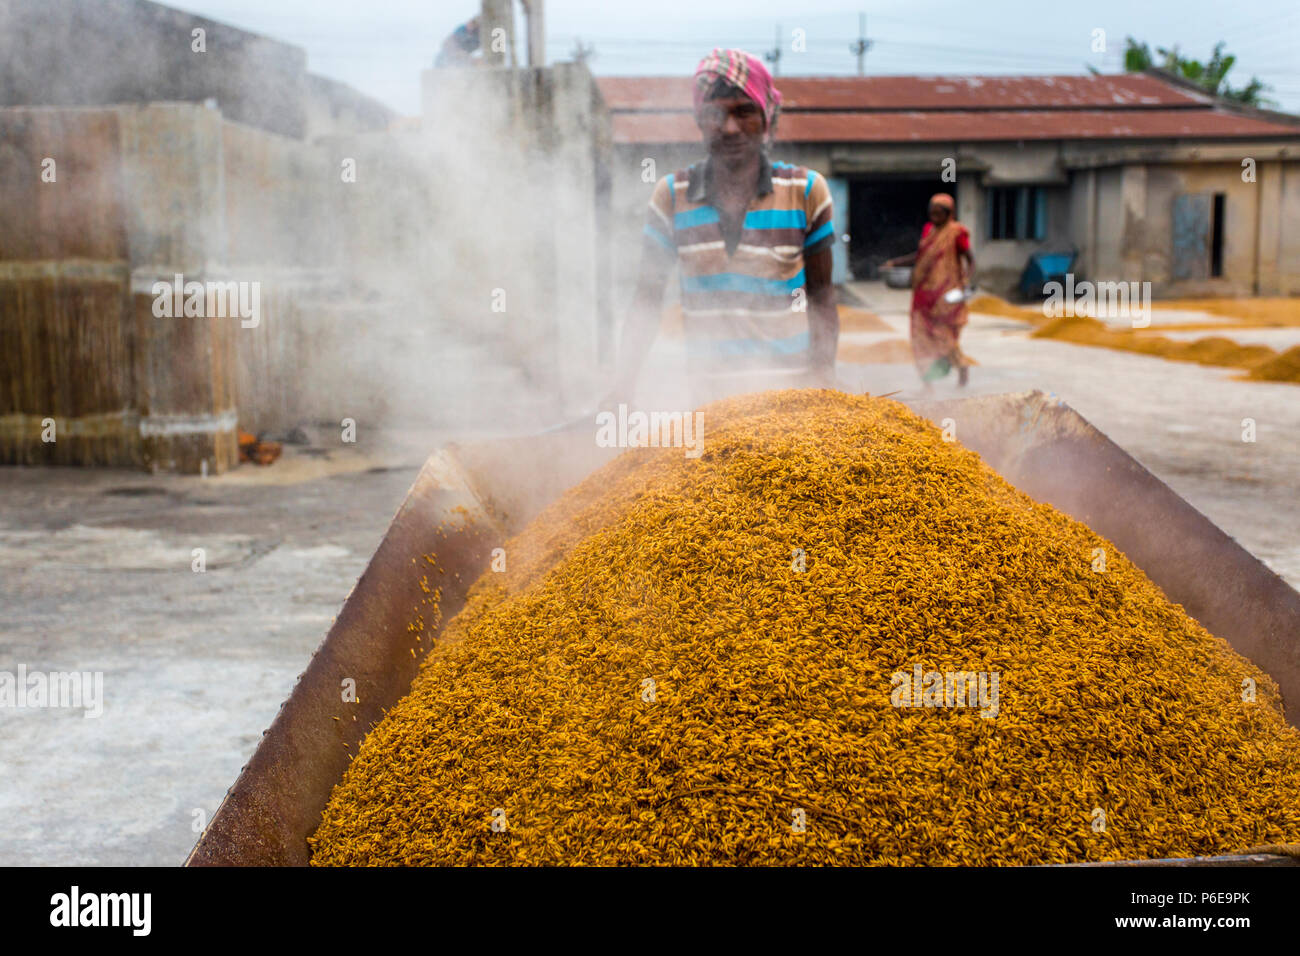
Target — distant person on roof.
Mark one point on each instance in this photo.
(752, 241)
(459, 48)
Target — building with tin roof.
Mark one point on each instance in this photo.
(1146, 176)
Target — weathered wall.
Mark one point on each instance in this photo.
(58, 318)
(520, 160)
(102, 52)
(376, 287)
(1109, 240)
(333, 107)
(1130, 236)
(132, 197)
(1283, 243)
(271, 200)
(172, 181)
(1250, 239)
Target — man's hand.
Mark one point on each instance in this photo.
(823, 315)
(641, 324)
(825, 377)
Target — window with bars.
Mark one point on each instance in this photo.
(1017, 212)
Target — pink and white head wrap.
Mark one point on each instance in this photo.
(742, 70)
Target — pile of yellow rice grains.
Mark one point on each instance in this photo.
(699, 661)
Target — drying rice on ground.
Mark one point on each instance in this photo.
(1210, 350)
(1258, 312)
(1255, 312)
(704, 661)
(1281, 368)
(993, 305)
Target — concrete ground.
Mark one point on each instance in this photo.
(96, 574)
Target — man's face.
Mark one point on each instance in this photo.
(733, 127)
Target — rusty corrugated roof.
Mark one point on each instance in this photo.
(880, 109)
(1127, 90)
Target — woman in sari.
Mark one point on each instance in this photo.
(941, 264)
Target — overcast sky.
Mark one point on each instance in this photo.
(380, 46)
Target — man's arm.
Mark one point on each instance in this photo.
(823, 316)
(642, 322)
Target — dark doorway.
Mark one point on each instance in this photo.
(1216, 236)
(886, 216)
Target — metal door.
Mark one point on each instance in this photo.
(1191, 236)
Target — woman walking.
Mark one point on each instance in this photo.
(942, 267)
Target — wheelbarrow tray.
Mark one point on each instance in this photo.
(468, 498)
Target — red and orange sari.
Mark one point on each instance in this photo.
(936, 324)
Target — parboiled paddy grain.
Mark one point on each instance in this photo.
(654, 680)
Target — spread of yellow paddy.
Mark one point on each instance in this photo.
(696, 661)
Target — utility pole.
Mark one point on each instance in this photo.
(535, 30)
(863, 44)
(773, 55)
(497, 15)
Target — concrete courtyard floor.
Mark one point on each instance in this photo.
(96, 575)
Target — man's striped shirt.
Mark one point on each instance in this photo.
(746, 309)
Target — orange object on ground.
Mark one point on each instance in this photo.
(256, 451)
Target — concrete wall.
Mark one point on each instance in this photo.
(1000, 262)
(333, 107)
(101, 52)
(1281, 244)
(142, 194)
(279, 195)
(1252, 228)
(1129, 235)
(376, 250)
(339, 234)
(522, 170)
(1108, 242)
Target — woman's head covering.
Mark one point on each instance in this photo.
(742, 70)
(945, 200)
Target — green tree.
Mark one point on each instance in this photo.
(1211, 76)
